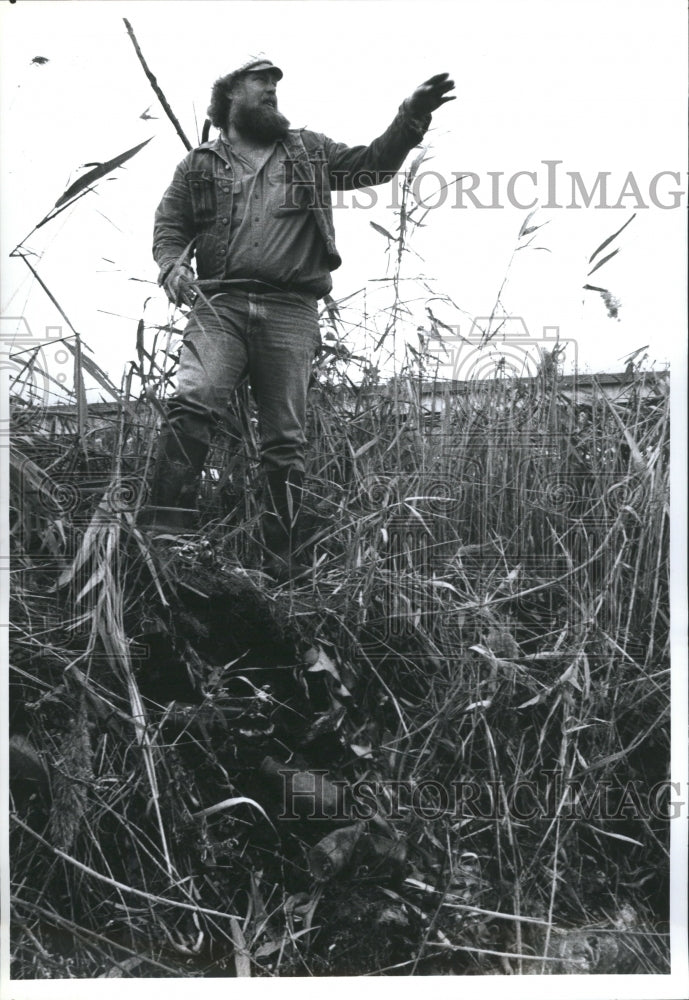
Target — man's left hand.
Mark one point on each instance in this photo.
(430, 95)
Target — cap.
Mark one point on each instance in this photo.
(257, 65)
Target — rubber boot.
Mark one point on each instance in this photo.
(176, 480)
(281, 523)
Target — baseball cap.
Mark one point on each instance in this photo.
(257, 65)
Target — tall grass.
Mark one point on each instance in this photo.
(491, 582)
(483, 637)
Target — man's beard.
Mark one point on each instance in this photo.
(263, 123)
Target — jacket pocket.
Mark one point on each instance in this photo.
(203, 196)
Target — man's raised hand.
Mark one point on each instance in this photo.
(430, 95)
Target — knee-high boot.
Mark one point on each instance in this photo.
(176, 480)
(281, 521)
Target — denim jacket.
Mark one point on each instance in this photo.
(194, 214)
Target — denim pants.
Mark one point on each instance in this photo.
(272, 337)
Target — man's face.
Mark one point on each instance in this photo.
(256, 90)
(254, 107)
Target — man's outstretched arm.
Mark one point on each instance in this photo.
(361, 166)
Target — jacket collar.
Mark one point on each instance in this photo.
(293, 143)
(217, 146)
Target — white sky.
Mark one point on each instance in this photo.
(599, 85)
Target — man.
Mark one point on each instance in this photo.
(255, 209)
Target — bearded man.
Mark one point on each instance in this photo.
(254, 207)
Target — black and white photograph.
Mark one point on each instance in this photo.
(344, 474)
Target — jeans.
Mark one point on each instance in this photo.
(272, 337)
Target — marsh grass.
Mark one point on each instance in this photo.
(491, 579)
(488, 605)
